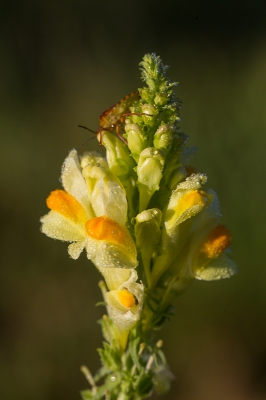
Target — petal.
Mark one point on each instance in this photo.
(208, 218)
(76, 248)
(122, 300)
(93, 157)
(123, 320)
(58, 227)
(106, 192)
(218, 239)
(66, 205)
(111, 201)
(218, 268)
(115, 277)
(110, 244)
(106, 255)
(186, 201)
(121, 278)
(74, 182)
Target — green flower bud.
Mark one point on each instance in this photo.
(149, 171)
(148, 235)
(163, 137)
(146, 94)
(136, 140)
(119, 161)
(161, 99)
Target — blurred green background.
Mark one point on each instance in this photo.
(62, 64)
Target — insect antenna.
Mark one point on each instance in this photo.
(88, 129)
(88, 140)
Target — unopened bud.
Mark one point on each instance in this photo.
(149, 170)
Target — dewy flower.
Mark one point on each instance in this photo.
(124, 299)
(206, 255)
(186, 201)
(91, 213)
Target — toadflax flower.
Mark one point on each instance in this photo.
(91, 213)
(207, 255)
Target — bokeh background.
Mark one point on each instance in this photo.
(62, 64)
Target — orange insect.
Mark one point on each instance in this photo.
(112, 118)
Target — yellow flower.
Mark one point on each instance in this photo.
(186, 201)
(91, 213)
(205, 255)
(124, 300)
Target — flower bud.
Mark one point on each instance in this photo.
(119, 161)
(136, 140)
(161, 99)
(149, 171)
(163, 137)
(148, 235)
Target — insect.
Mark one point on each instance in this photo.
(112, 118)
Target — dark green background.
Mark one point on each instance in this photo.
(62, 64)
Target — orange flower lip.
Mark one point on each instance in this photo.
(104, 228)
(126, 298)
(66, 205)
(216, 242)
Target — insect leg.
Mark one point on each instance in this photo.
(117, 129)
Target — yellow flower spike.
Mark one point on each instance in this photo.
(67, 205)
(216, 242)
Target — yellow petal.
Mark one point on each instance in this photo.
(115, 277)
(218, 268)
(190, 199)
(58, 227)
(74, 183)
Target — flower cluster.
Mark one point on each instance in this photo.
(145, 221)
(91, 213)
